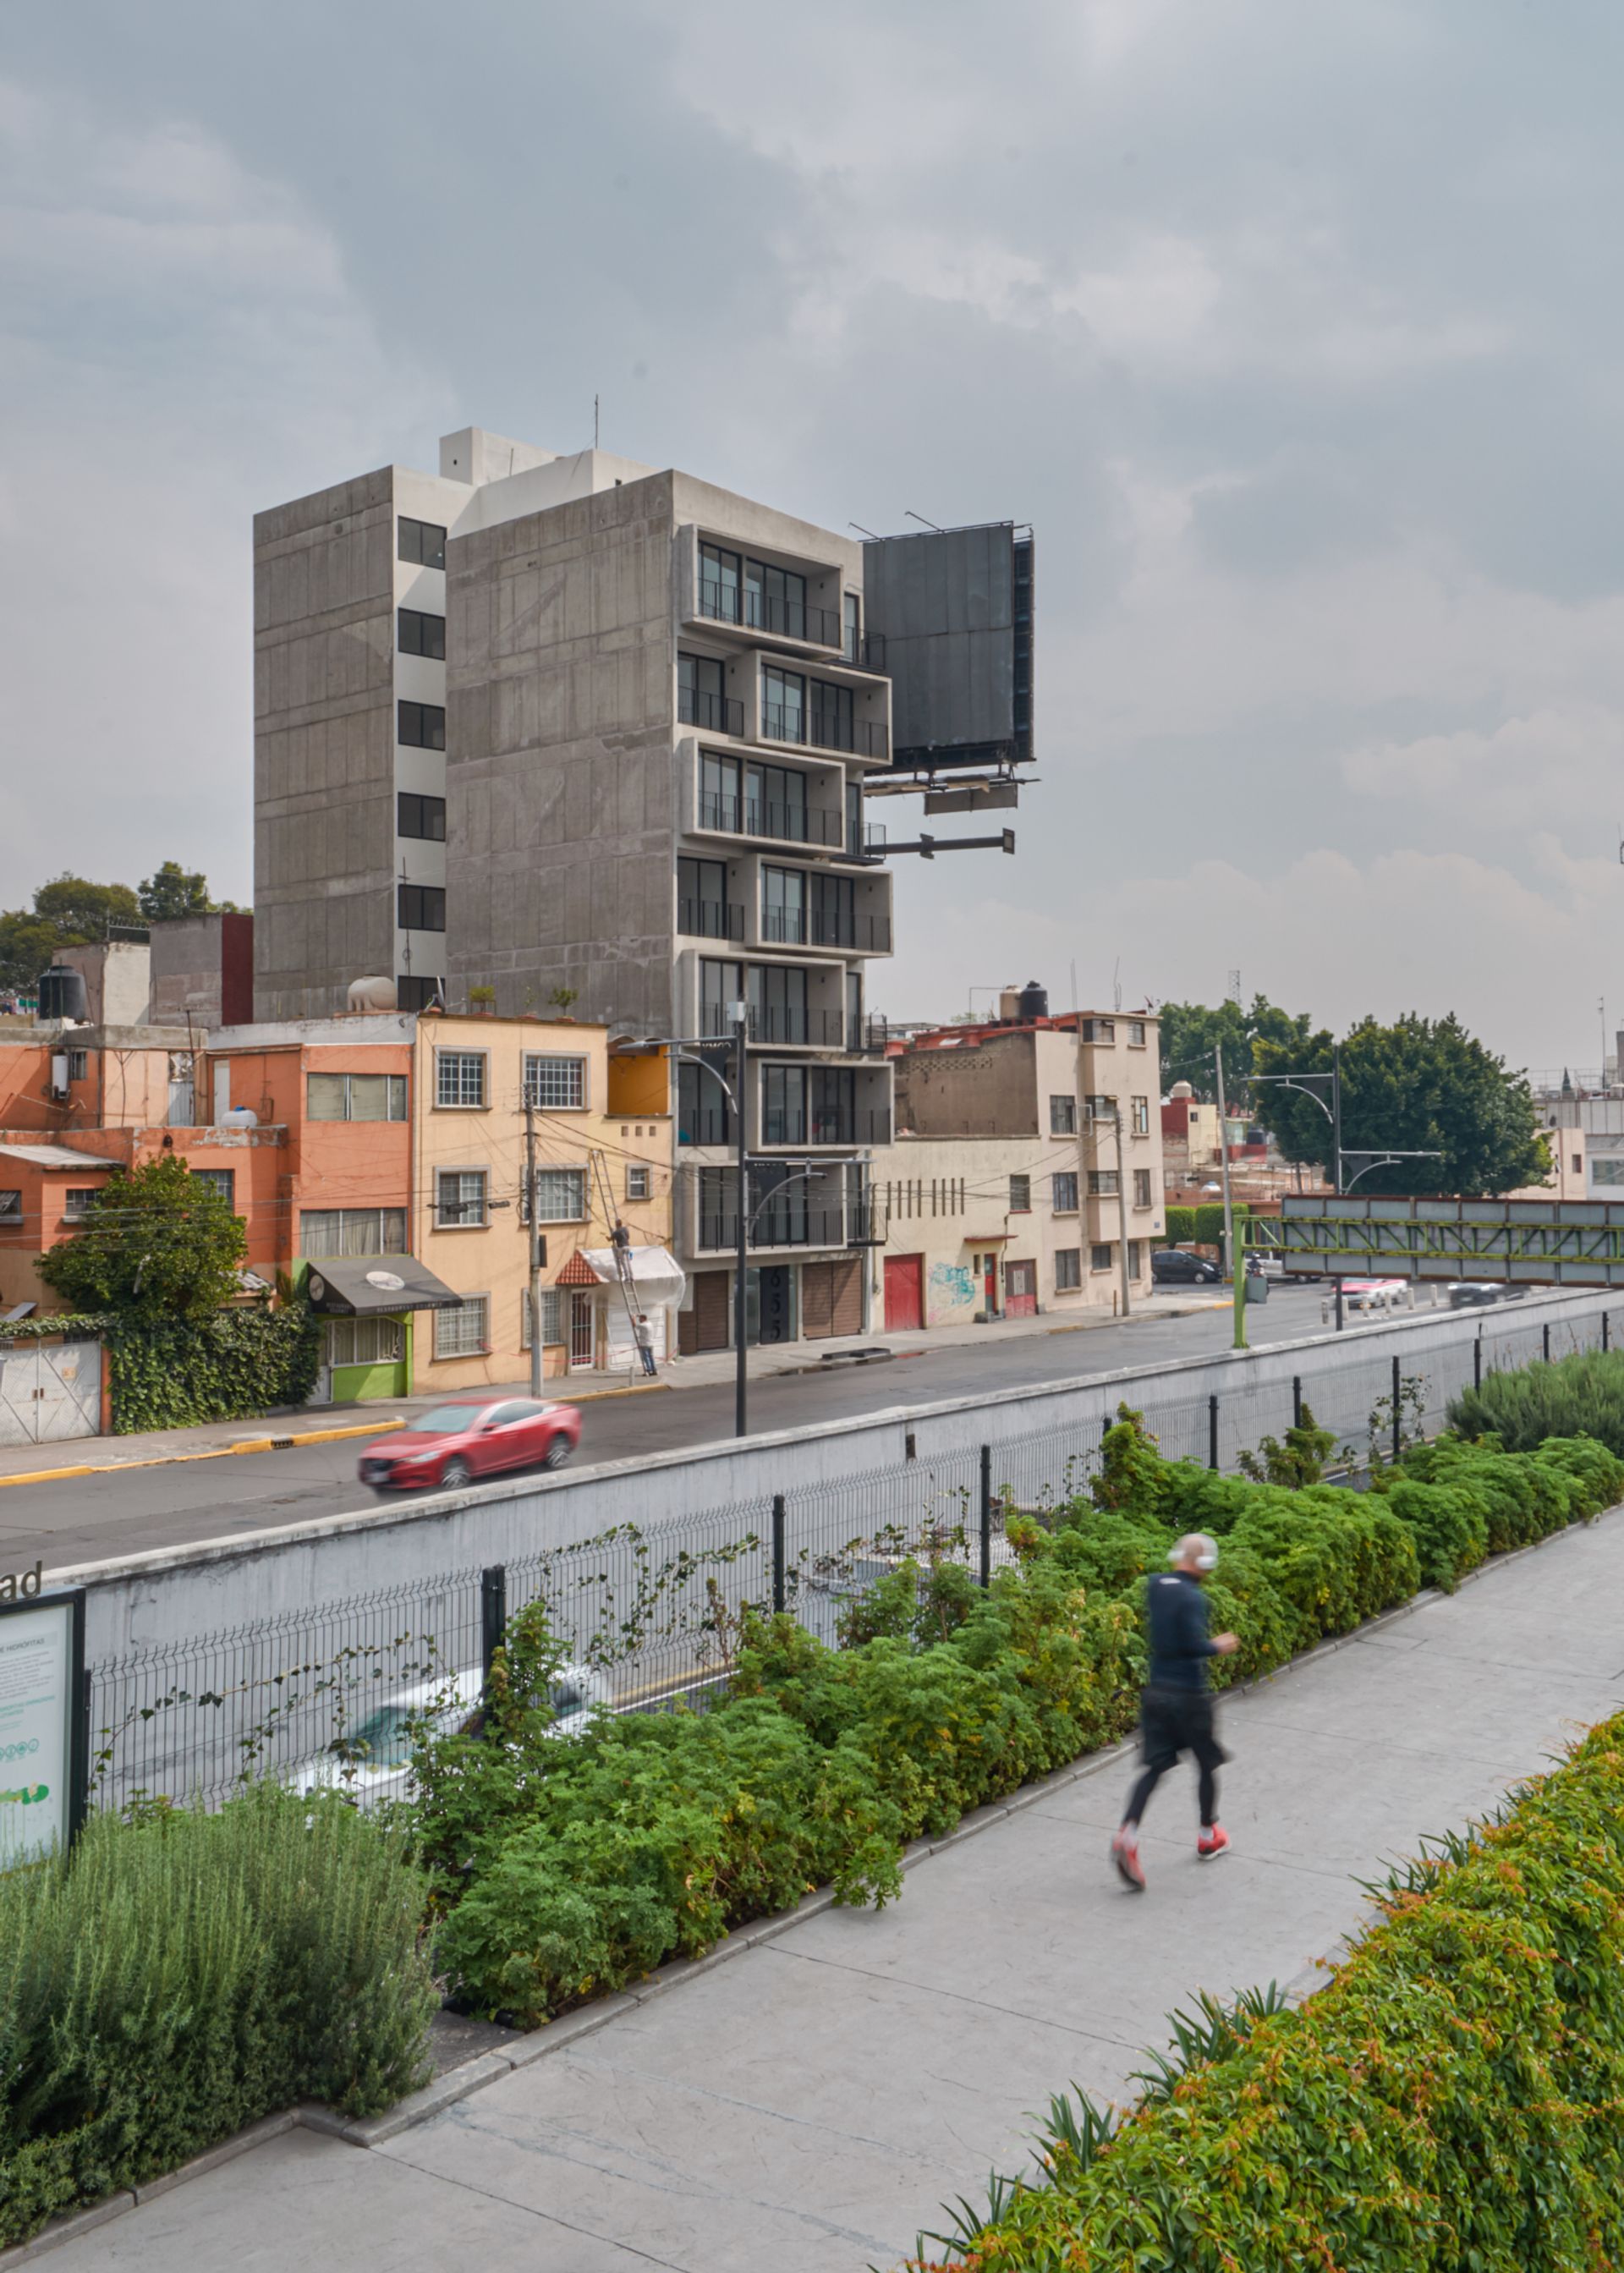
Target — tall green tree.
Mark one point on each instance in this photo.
(1190, 1031)
(1421, 1085)
(175, 891)
(67, 912)
(155, 1242)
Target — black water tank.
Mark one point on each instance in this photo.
(1033, 1000)
(62, 994)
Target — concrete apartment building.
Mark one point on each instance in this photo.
(1006, 1192)
(588, 734)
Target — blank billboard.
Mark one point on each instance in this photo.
(954, 608)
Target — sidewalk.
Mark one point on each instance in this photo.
(808, 2103)
(314, 1424)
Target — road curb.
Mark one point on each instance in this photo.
(213, 1453)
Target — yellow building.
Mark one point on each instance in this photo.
(601, 1132)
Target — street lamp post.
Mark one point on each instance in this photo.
(739, 1012)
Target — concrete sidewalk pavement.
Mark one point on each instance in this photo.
(810, 2102)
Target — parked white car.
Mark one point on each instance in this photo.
(373, 1760)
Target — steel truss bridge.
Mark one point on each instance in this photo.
(1528, 1242)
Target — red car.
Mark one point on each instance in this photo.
(470, 1437)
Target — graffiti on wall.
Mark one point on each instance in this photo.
(952, 1290)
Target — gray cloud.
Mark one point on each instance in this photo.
(1295, 332)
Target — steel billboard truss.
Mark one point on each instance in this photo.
(1530, 1242)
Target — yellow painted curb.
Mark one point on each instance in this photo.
(214, 1452)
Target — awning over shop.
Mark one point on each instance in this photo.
(655, 1274)
(368, 1286)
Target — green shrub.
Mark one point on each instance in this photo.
(1578, 1395)
(1448, 2104)
(174, 1374)
(175, 1979)
(1180, 1226)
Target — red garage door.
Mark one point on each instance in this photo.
(904, 1293)
(1021, 1289)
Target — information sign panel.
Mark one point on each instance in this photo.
(42, 1734)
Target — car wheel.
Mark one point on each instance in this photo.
(455, 1474)
(558, 1452)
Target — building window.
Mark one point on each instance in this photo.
(1062, 1116)
(76, 1200)
(553, 1317)
(1135, 1258)
(78, 1065)
(356, 1096)
(1020, 1194)
(222, 1181)
(774, 600)
(1099, 1108)
(720, 584)
(420, 816)
(1607, 1172)
(1141, 1188)
(851, 627)
(1136, 1033)
(422, 907)
(461, 1332)
(1099, 1258)
(1099, 1029)
(460, 1199)
(10, 1207)
(1578, 1164)
(1063, 1193)
(351, 1231)
(416, 993)
(421, 725)
(1067, 1268)
(783, 705)
(364, 1341)
(639, 1184)
(702, 697)
(416, 633)
(460, 1078)
(423, 543)
(1104, 1184)
(1139, 1123)
(555, 1085)
(561, 1196)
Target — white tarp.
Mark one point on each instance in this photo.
(657, 1273)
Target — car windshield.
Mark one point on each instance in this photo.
(442, 1421)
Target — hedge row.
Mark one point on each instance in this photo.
(227, 1367)
(1582, 1395)
(1449, 2103)
(564, 1869)
(179, 1976)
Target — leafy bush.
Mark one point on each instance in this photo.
(1180, 1223)
(176, 1978)
(1448, 2104)
(1464, 1501)
(1297, 1460)
(229, 1366)
(1578, 1395)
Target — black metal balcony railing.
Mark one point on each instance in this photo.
(823, 729)
(706, 1124)
(794, 1126)
(783, 1022)
(871, 1035)
(724, 604)
(717, 714)
(763, 612)
(774, 1227)
(710, 919)
(786, 824)
(784, 926)
(869, 934)
(865, 650)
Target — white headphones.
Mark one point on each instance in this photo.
(1208, 1559)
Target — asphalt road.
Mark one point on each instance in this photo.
(92, 1519)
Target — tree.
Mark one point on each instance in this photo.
(155, 1241)
(67, 912)
(1421, 1084)
(175, 891)
(1190, 1032)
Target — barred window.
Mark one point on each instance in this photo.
(1062, 1116)
(1099, 1258)
(1020, 1194)
(1104, 1184)
(1136, 1033)
(555, 1085)
(222, 1181)
(1140, 1122)
(462, 1332)
(460, 1078)
(11, 1206)
(1135, 1258)
(1141, 1188)
(458, 1199)
(77, 1199)
(1065, 1192)
(1067, 1267)
(553, 1317)
(352, 1231)
(560, 1195)
(364, 1341)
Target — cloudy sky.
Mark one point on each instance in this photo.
(1294, 330)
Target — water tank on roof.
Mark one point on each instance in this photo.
(1033, 1000)
(240, 1116)
(62, 994)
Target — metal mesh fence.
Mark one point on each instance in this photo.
(647, 1615)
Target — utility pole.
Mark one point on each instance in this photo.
(535, 1250)
(1238, 1276)
(1083, 1141)
(1337, 1118)
(738, 1011)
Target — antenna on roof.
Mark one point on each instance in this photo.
(595, 422)
(869, 532)
(920, 517)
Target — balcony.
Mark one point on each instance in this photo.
(824, 729)
(710, 919)
(786, 824)
(783, 1022)
(716, 714)
(864, 935)
(797, 1125)
(785, 1226)
(869, 1037)
(864, 651)
(776, 618)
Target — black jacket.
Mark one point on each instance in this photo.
(1179, 1642)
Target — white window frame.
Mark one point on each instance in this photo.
(222, 1181)
(558, 1168)
(379, 1220)
(344, 1340)
(85, 1194)
(538, 1065)
(445, 1061)
(395, 1094)
(552, 1317)
(639, 1183)
(1136, 1034)
(459, 1220)
(470, 1305)
(1139, 1108)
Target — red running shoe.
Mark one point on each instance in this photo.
(1212, 1841)
(1125, 1854)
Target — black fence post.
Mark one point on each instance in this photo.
(1296, 1401)
(1603, 1330)
(1477, 1361)
(492, 1614)
(1544, 1340)
(1397, 1417)
(779, 1589)
(1212, 1431)
(986, 1515)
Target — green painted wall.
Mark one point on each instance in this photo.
(351, 1383)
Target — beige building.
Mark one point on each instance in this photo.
(1008, 1190)
(603, 1139)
